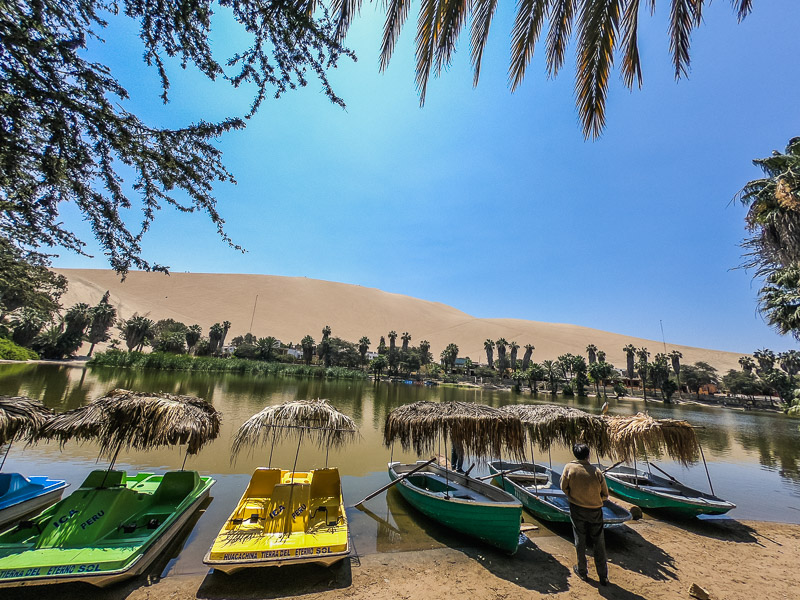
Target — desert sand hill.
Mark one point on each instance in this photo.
(291, 307)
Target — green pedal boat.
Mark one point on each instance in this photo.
(109, 529)
(462, 503)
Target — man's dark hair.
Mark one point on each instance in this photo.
(581, 451)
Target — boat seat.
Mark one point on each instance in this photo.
(664, 490)
(12, 482)
(325, 493)
(175, 486)
(262, 483)
(287, 509)
(104, 478)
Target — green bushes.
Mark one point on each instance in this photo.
(10, 351)
(183, 362)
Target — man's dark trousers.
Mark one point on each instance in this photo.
(587, 526)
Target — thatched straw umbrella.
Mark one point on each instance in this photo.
(317, 419)
(481, 431)
(676, 438)
(548, 423)
(139, 421)
(20, 417)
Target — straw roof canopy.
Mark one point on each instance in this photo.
(675, 437)
(21, 417)
(316, 419)
(482, 431)
(548, 423)
(139, 421)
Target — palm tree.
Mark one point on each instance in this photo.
(406, 338)
(551, 369)
(780, 300)
(526, 358)
(747, 363)
(601, 356)
(424, 352)
(226, 325)
(765, 358)
(488, 345)
(103, 317)
(26, 325)
(382, 346)
(501, 355)
(307, 344)
(630, 352)
(603, 29)
(392, 338)
(790, 362)
(642, 367)
(596, 372)
(193, 335)
(591, 349)
(676, 357)
(136, 331)
(265, 346)
(513, 346)
(363, 346)
(326, 332)
(215, 338)
(378, 364)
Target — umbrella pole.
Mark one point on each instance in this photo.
(550, 457)
(708, 475)
(446, 470)
(535, 482)
(271, 448)
(185, 456)
(635, 470)
(5, 456)
(111, 466)
(291, 487)
(327, 451)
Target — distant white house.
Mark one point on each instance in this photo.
(371, 355)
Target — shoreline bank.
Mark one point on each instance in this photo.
(649, 559)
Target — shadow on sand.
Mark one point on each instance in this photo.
(720, 528)
(273, 582)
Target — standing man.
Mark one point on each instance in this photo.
(586, 490)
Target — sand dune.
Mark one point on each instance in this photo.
(291, 307)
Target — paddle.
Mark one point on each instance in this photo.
(398, 480)
(665, 473)
(616, 464)
(501, 474)
(469, 470)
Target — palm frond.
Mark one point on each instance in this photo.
(482, 15)
(482, 431)
(427, 39)
(561, 16)
(683, 18)
(744, 7)
(527, 27)
(136, 420)
(599, 22)
(396, 15)
(317, 419)
(453, 15)
(641, 431)
(344, 11)
(21, 417)
(548, 423)
(631, 67)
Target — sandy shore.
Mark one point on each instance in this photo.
(650, 559)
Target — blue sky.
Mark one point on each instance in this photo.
(493, 202)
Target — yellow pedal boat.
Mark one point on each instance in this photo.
(284, 518)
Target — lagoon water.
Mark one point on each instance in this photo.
(753, 458)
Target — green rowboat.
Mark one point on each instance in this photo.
(462, 503)
(111, 528)
(651, 491)
(539, 490)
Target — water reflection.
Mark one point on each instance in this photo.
(735, 442)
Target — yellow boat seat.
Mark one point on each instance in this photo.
(326, 492)
(263, 482)
(287, 509)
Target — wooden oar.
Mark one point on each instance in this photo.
(616, 464)
(500, 474)
(665, 473)
(398, 480)
(469, 470)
